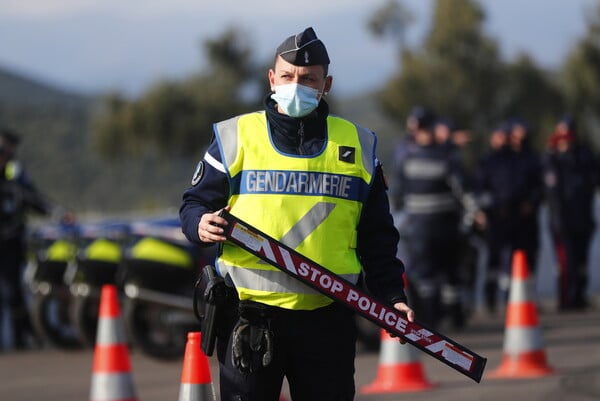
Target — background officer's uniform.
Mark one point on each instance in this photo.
(18, 195)
(571, 179)
(429, 185)
(509, 190)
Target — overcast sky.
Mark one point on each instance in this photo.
(99, 45)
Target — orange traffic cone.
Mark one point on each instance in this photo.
(399, 369)
(111, 378)
(523, 349)
(196, 383)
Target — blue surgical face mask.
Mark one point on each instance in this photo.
(296, 100)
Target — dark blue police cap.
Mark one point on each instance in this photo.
(569, 121)
(518, 121)
(303, 49)
(503, 127)
(446, 122)
(424, 117)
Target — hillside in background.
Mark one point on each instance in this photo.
(16, 89)
(57, 151)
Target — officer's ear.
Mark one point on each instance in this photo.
(271, 76)
(328, 84)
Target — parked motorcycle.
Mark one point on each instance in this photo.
(96, 263)
(51, 249)
(157, 275)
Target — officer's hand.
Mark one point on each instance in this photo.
(410, 314)
(210, 227)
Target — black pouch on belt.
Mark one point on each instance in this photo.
(252, 343)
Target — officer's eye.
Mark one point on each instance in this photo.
(309, 78)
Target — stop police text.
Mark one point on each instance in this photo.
(373, 308)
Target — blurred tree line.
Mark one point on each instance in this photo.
(127, 153)
(457, 70)
(174, 119)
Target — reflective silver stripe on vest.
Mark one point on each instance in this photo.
(112, 386)
(227, 134)
(272, 280)
(307, 224)
(424, 169)
(429, 203)
(367, 142)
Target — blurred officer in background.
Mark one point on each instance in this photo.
(570, 178)
(443, 132)
(449, 135)
(509, 192)
(495, 198)
(18, 196)
(453, 140)
(401, 148)
(429, 186)
(295, 332)
(529, 186)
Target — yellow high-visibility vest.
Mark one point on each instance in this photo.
(311, 203)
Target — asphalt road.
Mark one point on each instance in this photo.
(571, 344)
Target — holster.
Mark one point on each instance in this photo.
(211, 296)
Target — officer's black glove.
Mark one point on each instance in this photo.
(252, 344)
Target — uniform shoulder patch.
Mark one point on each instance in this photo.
(198, 173)
(346, 154)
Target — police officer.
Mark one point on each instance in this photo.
(570, 178)
(509, 192)
(529, 186)
(453, 140)
(297, 333)
(495, 198)
(18, 195)
(429, 182)
(400, 149)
